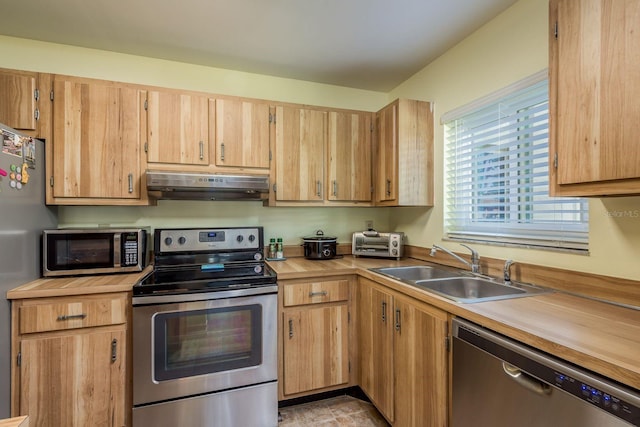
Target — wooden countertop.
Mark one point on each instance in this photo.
(601, 337)
(79, 285)
(22, 421)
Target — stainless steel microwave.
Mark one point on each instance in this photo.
(75, 251)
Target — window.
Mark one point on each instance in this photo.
(497, 173)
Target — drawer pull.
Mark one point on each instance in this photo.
(290, 328)
(318, 294)
(114, 350)
(71, 317)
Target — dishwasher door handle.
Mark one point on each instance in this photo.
(526, 380)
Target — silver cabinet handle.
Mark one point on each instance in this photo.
(319, 188)
(130, 183)
(222, 151)
(290, 328)
(388, 187)
(201, 150)
(384, 312)
(318, 294)
(335, 188)
(114, 350)
(398, 319)
(525, 380)
(71, 317)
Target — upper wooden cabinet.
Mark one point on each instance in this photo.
(594, 114)
(97, 129)
(177, 128)
(241, 133)
(18, 103)
(404, 164)
(349, 156)
(300, 142)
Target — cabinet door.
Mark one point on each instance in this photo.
(420, 364)
(375, 345)
(595, 77)
(72, 380)
(177, 128)
(387, 152)
(96, 140)
(17, 99)
(349, 156)
(242, 133)
(316, 348)
(300, 144)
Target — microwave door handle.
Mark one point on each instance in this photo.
(116, 250)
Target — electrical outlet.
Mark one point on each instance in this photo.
(368, 224)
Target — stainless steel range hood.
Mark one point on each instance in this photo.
(203, 186)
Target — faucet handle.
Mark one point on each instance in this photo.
(475, 259)
(507, 270)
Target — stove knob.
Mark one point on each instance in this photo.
(239, 239)
(168, 241)
(182, 240)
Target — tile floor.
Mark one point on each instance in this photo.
(340, 411)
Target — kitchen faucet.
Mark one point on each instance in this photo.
(507, 273)
(475, 258)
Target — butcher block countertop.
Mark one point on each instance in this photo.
(78, 285)
(598, 336)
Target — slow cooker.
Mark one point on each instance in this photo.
(319, 246)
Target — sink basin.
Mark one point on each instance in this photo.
(417, 272)
(475, 289)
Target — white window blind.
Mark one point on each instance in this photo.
(497, 174)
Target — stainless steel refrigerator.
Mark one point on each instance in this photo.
(23, 216)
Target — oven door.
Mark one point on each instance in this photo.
(187, 348)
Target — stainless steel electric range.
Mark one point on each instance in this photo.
(204, 331)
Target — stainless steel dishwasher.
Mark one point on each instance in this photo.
(500, 382)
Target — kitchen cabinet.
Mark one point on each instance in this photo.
(70, 365)
(349, 156)
(404, 154)
(403, 356)
(300, 142)
(594, 116)
(19, 99)
(314, 336)
(242, 133)
(177, 128)
(97, 131)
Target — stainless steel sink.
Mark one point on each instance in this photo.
(476, 289)
(417, 272)
(458, 285)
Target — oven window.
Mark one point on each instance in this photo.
(198, 342)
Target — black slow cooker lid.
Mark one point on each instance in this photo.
(320, 237)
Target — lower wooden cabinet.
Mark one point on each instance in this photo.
(403, 357)
(69, 360)
(314, 336)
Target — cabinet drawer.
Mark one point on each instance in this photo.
(55, 314)
(316, 292)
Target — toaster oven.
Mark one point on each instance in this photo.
(374, 244)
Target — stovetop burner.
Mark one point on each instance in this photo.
(205, 260)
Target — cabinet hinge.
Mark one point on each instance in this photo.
(51, 95)
(371, 127)
(19, 358)
(36, 94)
(272, 118)
(275, 188)
(555, 160)
(270, 155)
(36, 114)
(555, 30)
(372, 189)
(348, 317)
(51, 181)
(146, 105)
(447, 343)
(146, 147)
(114, 350)
(349, 366)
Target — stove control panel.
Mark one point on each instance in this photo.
(209, 239)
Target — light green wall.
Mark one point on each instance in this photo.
(509, 48)
(512, 46)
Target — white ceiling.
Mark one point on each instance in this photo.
(366, 44)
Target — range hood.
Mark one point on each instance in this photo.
(171, 185)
